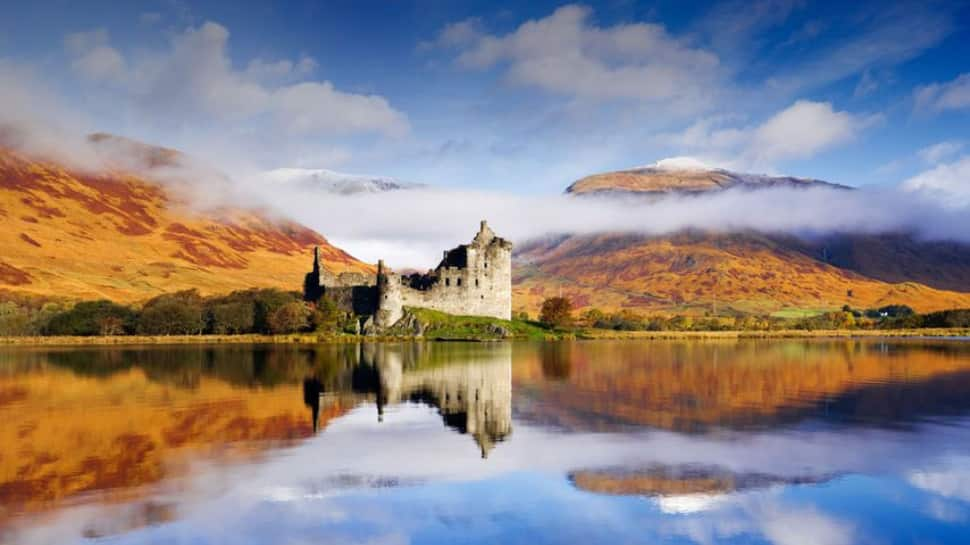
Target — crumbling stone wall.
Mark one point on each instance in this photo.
(473, 279)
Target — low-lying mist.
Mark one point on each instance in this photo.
(410, 228)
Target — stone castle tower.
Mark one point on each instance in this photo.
(472, 279)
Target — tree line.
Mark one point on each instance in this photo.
(274, 311)
(265, 311)
(558, 312)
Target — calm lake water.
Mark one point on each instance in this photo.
(785, 442)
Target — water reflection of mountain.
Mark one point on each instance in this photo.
(95, 421)
(113, 420)
(471, 386)
(692, 386)
(671, 481)
(185, 366)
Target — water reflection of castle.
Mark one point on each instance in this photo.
(470, 386)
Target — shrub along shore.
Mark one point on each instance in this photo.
(276, 316)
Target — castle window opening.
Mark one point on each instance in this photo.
(476, 282)
(447, 281)
(459, 281)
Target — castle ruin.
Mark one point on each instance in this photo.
(472, 279)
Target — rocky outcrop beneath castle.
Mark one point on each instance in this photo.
(408, 326)
(473, 279)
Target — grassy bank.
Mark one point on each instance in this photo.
(447, 327)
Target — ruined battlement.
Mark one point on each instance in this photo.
(471, 279)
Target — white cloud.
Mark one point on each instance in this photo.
(93, 58)
(33, 120)
(942, 150)
(802, 130)
(566, 53)
(949, 183)
(101, 63)
(310, 106)
(939, 97)
(282, 70)
(461, 33)
(195, 77)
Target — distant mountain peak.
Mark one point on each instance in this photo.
(682, 175)
(339, 183)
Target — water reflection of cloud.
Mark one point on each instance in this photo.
(805, 527)
(323, 490)
(765, 514)
(950, 479)
(682, 504)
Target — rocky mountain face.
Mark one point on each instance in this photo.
(125, 234)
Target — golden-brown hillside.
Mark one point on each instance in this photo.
(694, 271)
(119, 236)
(747, 272)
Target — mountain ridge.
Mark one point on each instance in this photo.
(671, 176)
(696, 271)
(117, 234)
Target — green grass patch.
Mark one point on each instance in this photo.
(440, 325)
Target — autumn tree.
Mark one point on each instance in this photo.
(179, 313)
(89, 318)
(267, 302)
(232, 317)
(556, 312)
(592, 317)
(289, 318)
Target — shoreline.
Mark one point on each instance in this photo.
(312, 338)
(777, 334)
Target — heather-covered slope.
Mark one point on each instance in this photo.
(747, 272)
(120, 236)
(741, 271)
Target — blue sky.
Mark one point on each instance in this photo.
(510, 96)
